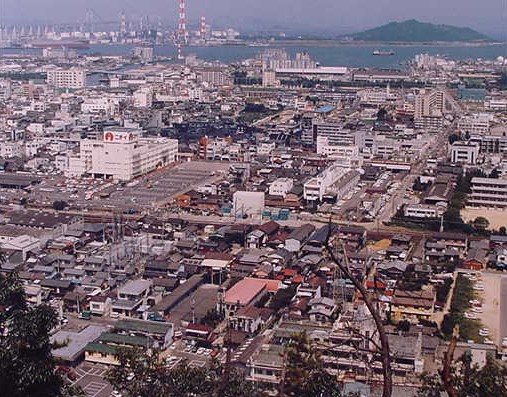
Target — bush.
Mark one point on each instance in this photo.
(60, 205)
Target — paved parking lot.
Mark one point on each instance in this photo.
(154, 189)
(91, 379)
(202, 300)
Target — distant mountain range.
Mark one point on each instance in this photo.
(413, 31)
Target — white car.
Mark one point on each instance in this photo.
(477, 310)
(470, 316)
(479, 287)
(115, 393)
(484, 332)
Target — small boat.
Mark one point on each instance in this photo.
(383, 53)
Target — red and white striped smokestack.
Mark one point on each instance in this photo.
(182, 24)
(202, 30)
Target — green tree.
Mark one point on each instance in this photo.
(305, 375)
(212, 318)
(59, 205)
(282, 298)
(453, 138)
(27, 367)
(144, 375)
(468, 380)
(494, 174)
(382, 114)
(480, 223)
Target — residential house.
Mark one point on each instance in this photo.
(298, 237)
(130, 298)
(413, 305)
(251, 319)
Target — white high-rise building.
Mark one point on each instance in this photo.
(122, 155)
(429, 104)
(66, 78)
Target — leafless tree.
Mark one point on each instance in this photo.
(384, 342)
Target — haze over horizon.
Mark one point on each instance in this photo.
(319, 16)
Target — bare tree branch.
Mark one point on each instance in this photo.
(447, 378)
(384, 342)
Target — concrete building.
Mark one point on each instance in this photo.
(429, 103)
(431, 106)
(99, 105)
(242, 294)
(5, 89)
(281, 186)
(346, 155)
(248, 204)
(146, 54)
(334, 180)
(423, 211)
(269, 78)
(377, 97)
(475, 124)
(215, 76)
(143, 97)
(122, 155)
(488, 192)
(66, 78)
(494, 142)
(334, 132)
(130, 297)
(464, 153)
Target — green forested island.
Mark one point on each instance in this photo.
(419, 32)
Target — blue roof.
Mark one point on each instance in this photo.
(326, 109)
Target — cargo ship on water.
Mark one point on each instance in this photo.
(69, 44)
(383, 53)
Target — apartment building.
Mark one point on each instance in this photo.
(66, 78)
(475, 124)
(335, 133)
(494, 142)
(488, 192)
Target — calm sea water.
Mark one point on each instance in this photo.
(335, 55)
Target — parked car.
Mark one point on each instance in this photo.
(484, 332)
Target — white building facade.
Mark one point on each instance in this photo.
(122, 155)
(66, 78)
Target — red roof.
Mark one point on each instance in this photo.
(270, 227)
(244, 291)
(199, 327)
(371, 284)
(298, 279)
(289, 272)
(218, 256)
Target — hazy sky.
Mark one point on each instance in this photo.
(340, 16)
